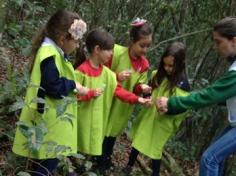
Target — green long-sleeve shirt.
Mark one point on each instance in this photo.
(220, 90)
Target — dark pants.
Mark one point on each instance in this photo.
(104, 161)
(107, 146)
(44, 167)
(156, 163)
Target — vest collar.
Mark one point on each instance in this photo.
(233, 66)
(48, 41)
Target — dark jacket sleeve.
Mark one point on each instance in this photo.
(54, 86)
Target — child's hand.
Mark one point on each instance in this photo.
(161, 104)
(145, 101)
(98, 92)
(82, 90)
(125, 74)
(146, 89)
(148, 102)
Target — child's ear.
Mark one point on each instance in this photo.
(97, 49)
(234, 41)
(61, 40)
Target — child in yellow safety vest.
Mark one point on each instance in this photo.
(42, 128)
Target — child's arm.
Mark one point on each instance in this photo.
(81, 90)
(184, 85)
(142, 88)
(90, 95)
(129, 97)
(54, 85)
(123, 75)
(220, 90)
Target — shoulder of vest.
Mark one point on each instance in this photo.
(108, 71)
(47, 51)
(119, 48)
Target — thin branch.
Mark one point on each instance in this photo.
(48, 173)
(182, 14)
(175, 21)
(232, 7)
(178, 37)
(3, 133)
(200, 65)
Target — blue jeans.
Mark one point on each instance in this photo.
(212, 161)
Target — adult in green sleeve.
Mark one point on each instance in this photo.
(223, 89)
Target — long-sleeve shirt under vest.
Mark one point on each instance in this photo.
(54, 85)
(120, 92)
(139, 64)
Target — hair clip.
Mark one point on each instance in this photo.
(138, 22)
(77, 29)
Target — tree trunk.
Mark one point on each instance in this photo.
(2, 16)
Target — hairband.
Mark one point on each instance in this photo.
(138, 22)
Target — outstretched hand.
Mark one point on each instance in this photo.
(123, 75)
(146, 89)
(145, 101)
(98, 92)
(161, 104)
(82, 90)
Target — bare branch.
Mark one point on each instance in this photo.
(178, 37)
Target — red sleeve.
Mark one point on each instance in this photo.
(138, 89)
(125, 95)
(87, 97)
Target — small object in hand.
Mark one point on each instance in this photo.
(103, 86)
(76, 90)
(129, 70)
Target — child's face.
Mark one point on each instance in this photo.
(104, 55)
(225, 47)
(168, 64)
(140, 47)
(68, 46)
